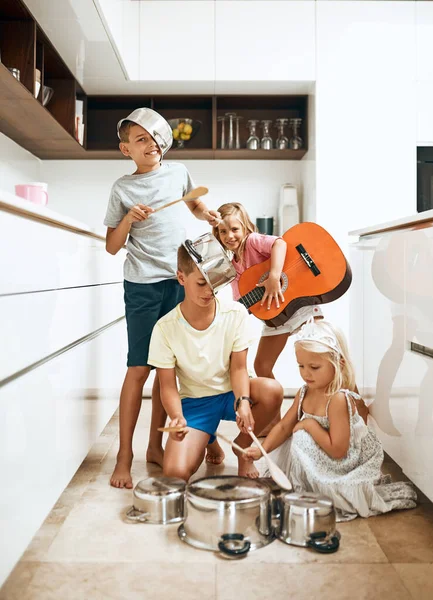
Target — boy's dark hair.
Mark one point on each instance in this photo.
(124, 130)
(185, 263)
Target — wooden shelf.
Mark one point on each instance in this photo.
(49, 132)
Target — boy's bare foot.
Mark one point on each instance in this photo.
(155, 455)
(268, 428)
(247, 468)
(121, 477)
(214, 454)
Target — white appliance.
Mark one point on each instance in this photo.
(288, 209)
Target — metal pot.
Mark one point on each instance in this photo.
(158, 500)
(212, 261)
(276, 493)
(227, 514)
(308, 519)
(154, 124)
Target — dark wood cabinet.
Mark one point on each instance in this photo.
(49, 131)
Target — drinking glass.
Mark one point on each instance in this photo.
(253, 142)
(295, 141)
(266, 141)
(231, 142)
(282, 142)
(223, 132)
(238, 140)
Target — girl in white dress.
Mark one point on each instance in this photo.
(322, 444)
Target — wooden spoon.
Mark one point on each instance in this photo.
(233, 444)
(176, 429)
(192, 195)
(276, 473)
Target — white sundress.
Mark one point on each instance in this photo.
(355, 483)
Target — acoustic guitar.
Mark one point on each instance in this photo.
(315, 271)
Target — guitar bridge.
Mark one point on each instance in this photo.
(308, 260)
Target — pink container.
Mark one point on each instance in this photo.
(34, 193)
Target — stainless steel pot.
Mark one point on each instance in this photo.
(308, 519)
(212, 261)
(276, 493)
(228, 514)
(158, 500)
(153, 123)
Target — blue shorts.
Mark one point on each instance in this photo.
(206, 413)
(145, 303)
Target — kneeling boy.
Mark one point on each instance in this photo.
(204, 341)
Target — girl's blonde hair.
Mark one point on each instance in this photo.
(344, 372)
(238, 211)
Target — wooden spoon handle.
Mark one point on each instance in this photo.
(192, 195)
(233, 444)
(176, 429)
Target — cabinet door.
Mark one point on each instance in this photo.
(265, 40)
(424, 41)
(417, 419)
(177, 41)
(384, 343)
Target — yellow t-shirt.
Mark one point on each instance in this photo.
(201, 358)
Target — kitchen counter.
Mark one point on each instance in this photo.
(24, 208)
(404, 223)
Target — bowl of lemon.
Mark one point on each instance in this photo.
(183, 130)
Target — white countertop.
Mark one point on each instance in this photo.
(24, 208)
(403, 223)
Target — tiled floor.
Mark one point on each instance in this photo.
(86, 551)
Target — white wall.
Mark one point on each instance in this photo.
(16, 165)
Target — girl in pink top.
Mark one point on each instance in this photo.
(238, 234)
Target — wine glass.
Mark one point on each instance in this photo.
(238, 140)
(266, 141)
(296, 141)
(282, 142)
(253, 142)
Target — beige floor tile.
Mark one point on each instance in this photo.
(134, 581)
(357, 546)
(41, 542)
(405, 536)
(95, 533)
(308, 582)
(14, 588)
(418, 579)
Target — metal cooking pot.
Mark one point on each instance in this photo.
(228, 514)
(276, 493)
(212, 261)
(158, 500)
(308, 519)
(154, 123)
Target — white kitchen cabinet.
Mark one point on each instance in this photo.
(177, 40)
(367, 40)
(265, 40)
(48, 423)
(424, 41)
(397, 310)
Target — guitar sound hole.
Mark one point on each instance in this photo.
(284, 280)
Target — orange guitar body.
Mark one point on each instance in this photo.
(315, 271)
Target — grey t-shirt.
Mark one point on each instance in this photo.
(152, 244)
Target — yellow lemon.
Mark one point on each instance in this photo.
(181, 126)
(176, 133)
(187, 128)
(185, 136)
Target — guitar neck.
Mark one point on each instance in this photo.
(252, 297)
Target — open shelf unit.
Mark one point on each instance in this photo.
(49, 131)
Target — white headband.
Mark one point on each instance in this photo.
(312, 332)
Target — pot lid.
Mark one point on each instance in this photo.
(228, 488)
(308, 500)
(158, 486)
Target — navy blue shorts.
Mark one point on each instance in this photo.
(145, 303)
(206, 413)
